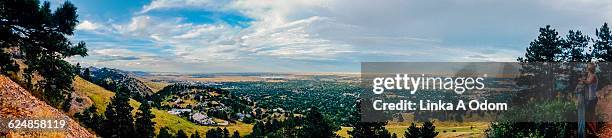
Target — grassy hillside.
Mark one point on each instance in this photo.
(154, 86)
(101, 97)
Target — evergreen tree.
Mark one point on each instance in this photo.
(119, 121)
(603, 44)
(77, 69)
(226, 133)
(90, 118)
(181, 134)
(215, 133)
(428, 130)
(574, 54)
(97, 122)
(236, 134)
(412, 131)
(145, 127)
(87, 75)
(219, 132)
(196, 135)
(541, 78)
(546, 48)
(258, 129)
(317, 126)
(367, 129)
(164, 133)
(34, 34)
(602, 51)
(575, 46)
(67, 103)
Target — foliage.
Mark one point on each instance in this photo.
(195, 135)
(317, 126)
(91, 119)
(236, 134)
(367, 129)
(164, 133)
(181, 134)
(428, 130)
(119, 121)
(546, 118)
(536, 119)
(32, 33)
(144, 126)
(299, 95)
(219, 133)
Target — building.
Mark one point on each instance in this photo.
(202, 119)
(179, 111)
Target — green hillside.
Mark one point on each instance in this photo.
(101, 97)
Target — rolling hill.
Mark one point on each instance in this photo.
(111, 79)
(101, 97)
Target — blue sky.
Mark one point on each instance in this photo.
(316, 35)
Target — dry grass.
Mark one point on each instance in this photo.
(154, 86)
(462, 129)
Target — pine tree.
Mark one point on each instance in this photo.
(67, 104)
(367, 129)
(145, 127)
(77, 68)
(181, 134)
(226, 133)
(575, 53)
(87, 75)
(236, 134)
(196, 135)
(215, 133)
(546, 48)
(428, 130)
(34, 34)
(603, 44)
(219, 132)
(258, 129)
(164, 133)
(602, 51)
(119, 121)
(317, 126)
(575, 46)
(412, 131)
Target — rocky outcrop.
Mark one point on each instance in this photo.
(16, 102)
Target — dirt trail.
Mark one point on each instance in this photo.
(16, 102)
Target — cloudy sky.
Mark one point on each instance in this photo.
(316, 35)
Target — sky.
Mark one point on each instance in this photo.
(199, 36)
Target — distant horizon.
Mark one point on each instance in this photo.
(191, 73)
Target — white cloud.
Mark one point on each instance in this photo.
(168, 4)
(87, 25)
(358, 30)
